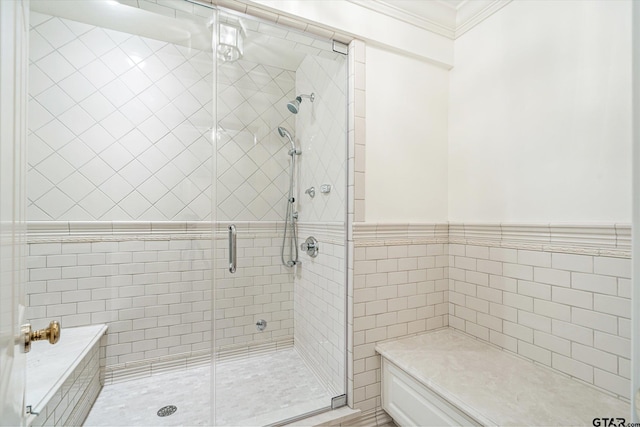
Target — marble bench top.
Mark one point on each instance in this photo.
(495, 387)
(48, 366)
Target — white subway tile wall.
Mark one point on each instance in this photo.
(260, 289)
(400, 289)
(565, 308)
(136, 286)
(153, 293)
(120, 126)
(566, 311)
(319, 311)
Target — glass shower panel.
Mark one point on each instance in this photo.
(281, 162)
(120, 152)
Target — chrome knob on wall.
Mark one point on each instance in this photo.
(310, 246)
(311, 191)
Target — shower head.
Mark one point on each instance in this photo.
(294, 106)
(285, 134)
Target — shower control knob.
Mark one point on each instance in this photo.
(310, 246)
(311, 191)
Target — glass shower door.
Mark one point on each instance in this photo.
(120, 152)
(280, 178)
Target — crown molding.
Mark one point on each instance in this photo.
(440, 20)
(471, 13)
(438, 16)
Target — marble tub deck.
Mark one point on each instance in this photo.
(495, 387)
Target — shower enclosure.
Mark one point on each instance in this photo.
(174, 154)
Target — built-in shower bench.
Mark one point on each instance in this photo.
(446, 377)
(63, 380)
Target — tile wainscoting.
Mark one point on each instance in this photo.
(556, 294)
(319, 304)
(400, 288)
(151, 283)
(559, 295)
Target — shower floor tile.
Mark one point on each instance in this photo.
(255, 391)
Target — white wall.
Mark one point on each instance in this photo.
(540, 114)
(406, 131)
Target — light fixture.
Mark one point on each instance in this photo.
(230, 42)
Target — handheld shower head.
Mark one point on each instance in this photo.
(285, 134)
(294, 106)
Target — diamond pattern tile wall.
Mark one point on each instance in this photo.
(252, 159)
(321, 128)
(120, 126)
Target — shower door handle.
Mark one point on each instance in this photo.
(232, 249)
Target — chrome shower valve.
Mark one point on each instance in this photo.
(310, 246)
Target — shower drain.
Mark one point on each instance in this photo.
(165, 411)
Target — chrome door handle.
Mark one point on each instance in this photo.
(232, 249)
